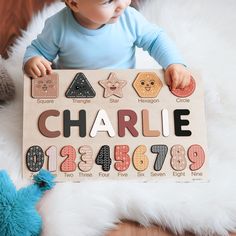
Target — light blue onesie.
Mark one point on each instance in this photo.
(111, 46)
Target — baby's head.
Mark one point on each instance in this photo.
(95, 13)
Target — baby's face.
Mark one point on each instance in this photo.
(96, 13)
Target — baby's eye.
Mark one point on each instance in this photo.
(48, 81)
(142, 82)
(107, 2)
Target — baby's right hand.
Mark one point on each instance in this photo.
(37, 66)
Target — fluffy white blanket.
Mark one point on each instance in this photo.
(205, 32)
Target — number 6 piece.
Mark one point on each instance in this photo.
(119, 124)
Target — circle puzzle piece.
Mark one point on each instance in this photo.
(185, 92)
(80, 88)
(147, 84)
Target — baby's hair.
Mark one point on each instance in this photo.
(64, 0)
(134, 3)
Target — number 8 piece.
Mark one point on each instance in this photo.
(119, 124)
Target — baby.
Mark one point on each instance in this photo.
(95, 34)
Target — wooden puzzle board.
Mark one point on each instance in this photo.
(167, 156)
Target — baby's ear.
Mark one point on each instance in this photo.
(73, 4)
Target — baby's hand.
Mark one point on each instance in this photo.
(37, 67)
(177, 76)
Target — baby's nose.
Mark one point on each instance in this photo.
(121, 4)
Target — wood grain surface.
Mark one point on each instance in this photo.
(129, 228)
(15, 14)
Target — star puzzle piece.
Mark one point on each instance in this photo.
(147, 84)
(45, 87)
(112, 86)
(80, 88)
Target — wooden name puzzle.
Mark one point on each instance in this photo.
(120, 124)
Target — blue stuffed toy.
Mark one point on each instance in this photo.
(18, 214)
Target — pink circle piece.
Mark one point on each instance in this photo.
(187, 91)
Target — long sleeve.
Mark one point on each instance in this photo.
(82, 48)
(154, 40)
(46, 44)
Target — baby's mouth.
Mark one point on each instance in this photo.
(147, 88)
(114, 17)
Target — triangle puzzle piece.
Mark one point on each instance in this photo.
(80, 88)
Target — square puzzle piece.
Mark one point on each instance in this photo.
(45, 87)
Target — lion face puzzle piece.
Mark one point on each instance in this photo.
(147, 84)
(45, 87)
(80, 88)
(113, 86)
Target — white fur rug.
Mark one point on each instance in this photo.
(205, 32)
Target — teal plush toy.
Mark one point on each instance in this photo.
(18, 214)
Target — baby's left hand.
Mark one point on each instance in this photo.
(177, 76)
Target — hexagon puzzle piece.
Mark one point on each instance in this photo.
(147, 84)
